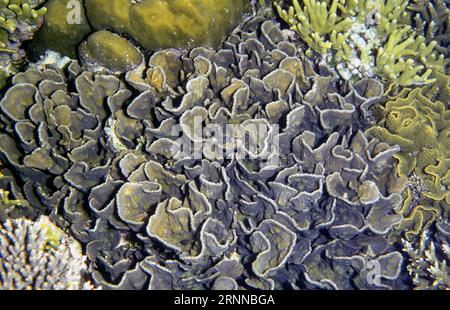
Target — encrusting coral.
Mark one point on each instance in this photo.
(361, 35)
(420, 126)
(40, 256)
(19, 20)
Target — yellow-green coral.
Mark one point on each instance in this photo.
(163, 24)
(6, 202)
(421, 128)
(318, 23)
(152, 24)
(432, 19)
(391, 13)
(407, 58)
(343, 28)
(14, 12)
(57, 33)
(18, 21)
(416, 217)
(111, 51)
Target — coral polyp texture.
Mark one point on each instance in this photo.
(230, 145)
(420, 127)
(38, 255)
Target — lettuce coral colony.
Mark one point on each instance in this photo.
(350, 168)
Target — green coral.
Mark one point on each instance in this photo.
(365, 34)
(421, 128)
(111, 51)
(57, 33)
(318, 23)
(19, 19)
(406, 58)
(432, 19)
(152, 24)
(169, 23)
(7, 204)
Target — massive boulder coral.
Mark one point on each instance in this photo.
(151, 24)
(108, 50)
(181, 23)
(252, 209)
(65, 26)
(39, 255)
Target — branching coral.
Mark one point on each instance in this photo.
(6, 202)
(397, 59)
(346, 30)
(38, 255)
(19, 19)
(318, 23)
(429, 258)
